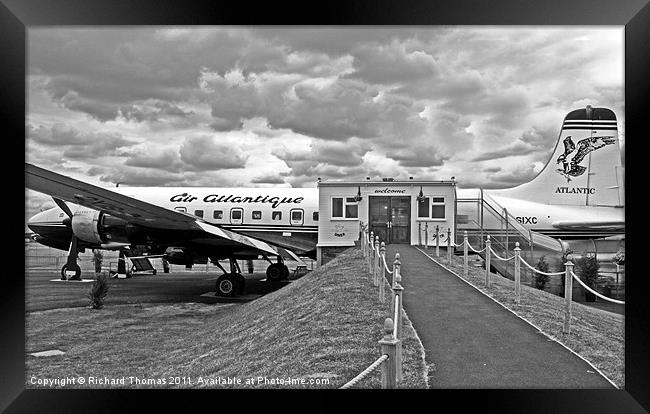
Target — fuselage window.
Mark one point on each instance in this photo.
(217, 214)
(276, 215)
(236, 215)
(256, 215)
(296, 217)
(315, 216)
(198, 213)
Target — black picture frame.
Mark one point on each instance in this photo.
(16, 16)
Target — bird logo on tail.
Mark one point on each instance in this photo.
(574, 154)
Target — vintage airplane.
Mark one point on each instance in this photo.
(579, 193)
(184, 225)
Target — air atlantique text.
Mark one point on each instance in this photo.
(216, 198)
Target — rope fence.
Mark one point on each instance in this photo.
(390, 359)
(365, 373)
(620, 302)
(518, 260)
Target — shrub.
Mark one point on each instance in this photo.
(619, 258)
(98, 257)
(541, 280)
(98, 291)
(587, 269)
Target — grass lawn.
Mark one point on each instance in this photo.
(596, 335)
(322, 328)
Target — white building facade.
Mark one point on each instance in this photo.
(399, 212)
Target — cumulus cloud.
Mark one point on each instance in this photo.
(268, 179)
(198, 103)
(167, 159)
(76, 144)
(207, 153)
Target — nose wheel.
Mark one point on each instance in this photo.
(74, 268)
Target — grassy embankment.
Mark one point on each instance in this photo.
(596, 335)
(323, 326)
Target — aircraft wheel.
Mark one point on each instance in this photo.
(154, 272)
(227, 285)
(77, 272)
(276, 272)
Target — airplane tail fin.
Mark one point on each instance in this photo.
(585, 168)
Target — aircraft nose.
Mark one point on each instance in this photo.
(36, 219)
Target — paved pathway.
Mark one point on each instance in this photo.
(475, 343)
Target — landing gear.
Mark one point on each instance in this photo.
(276, 272)
(226, 285)
(75, 268)
(71, 265)
(230, 284)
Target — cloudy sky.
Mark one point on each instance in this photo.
(279, 106)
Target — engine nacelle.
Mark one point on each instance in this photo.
(96, 227)
(85, 225)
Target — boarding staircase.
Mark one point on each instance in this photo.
(480, 215)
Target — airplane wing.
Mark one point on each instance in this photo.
(136, 211)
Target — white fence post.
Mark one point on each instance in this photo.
(388, 346)
(397, 264)
(382, 272)
(437, 241)
(449, 245)
(488, 242)
(397, 305)
(465, 257)
(426, 235)
(375, 268)
(370, 256)
(517, 273)
(568, 293)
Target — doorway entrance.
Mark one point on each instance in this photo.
(390, 218)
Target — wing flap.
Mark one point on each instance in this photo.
(237, 238)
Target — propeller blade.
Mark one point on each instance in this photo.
(63, 206)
